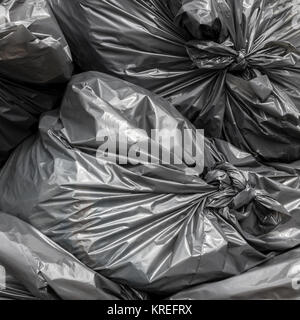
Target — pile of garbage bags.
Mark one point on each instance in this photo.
(94, 205)
(231, 67)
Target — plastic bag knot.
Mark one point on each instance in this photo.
(240, 63)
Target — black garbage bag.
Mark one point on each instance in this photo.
(154, 225)
(10, 287)
(32, 46)
(277, 279)
(43, 270)
(230, 66)
(35, 64)
(281, 180)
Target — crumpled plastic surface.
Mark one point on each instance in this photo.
(155, 227)
(231, 67)
(43, 270)
(277, 279)
(35, 62)
(32, 46)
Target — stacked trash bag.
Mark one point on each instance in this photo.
(78, 221)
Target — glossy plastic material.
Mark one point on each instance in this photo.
(155, 227)
(43, 270)
(35, 62)
(277, 279)
(230, 66)
(32, 46)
